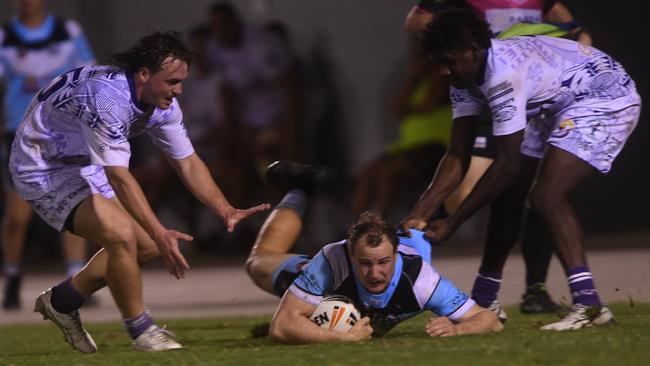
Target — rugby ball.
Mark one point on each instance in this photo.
(337, 313)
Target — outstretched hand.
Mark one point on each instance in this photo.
(441, 327)
(235, 215)
(167, 243)
(411, 222)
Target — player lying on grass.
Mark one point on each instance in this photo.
(389, 278)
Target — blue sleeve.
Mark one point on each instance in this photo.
(317, 277)
(418, 243)
(84, 52)
(447, 300)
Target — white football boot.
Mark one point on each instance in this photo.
(582, 316)
(497, 309)
(70, 324)
(156, 338)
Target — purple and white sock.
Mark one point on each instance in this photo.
(486, 287)
(581, 284)
(136, 326)
(12, 269)
(65, 298)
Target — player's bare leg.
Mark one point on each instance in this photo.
(561, 172)
(283, 226)
(92, 277)
(275, 239)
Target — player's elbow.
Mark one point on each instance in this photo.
(276, 334)
(417, 20)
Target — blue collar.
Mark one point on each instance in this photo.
(380, 300)
(30, 35)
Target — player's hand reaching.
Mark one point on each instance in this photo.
(441, 327)
(411, 222)
(438, 231)
(361, 331)
(167, 242)
(234, 215)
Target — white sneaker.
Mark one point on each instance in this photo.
(156, 338)
(582, 316)
(70, 324)
(497, 309)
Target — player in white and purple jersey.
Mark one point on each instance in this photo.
(583, 106)
(389, 278)
(507, 18)
(70, 162)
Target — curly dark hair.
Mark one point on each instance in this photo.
(373, 227)
(455, 29)
(151, 50)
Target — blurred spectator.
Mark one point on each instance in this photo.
(258, 95)
(35, 47)
(422, 108)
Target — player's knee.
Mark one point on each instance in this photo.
(147, 253)
(123, 236)
(252, 267)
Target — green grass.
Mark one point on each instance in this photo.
(228, 341)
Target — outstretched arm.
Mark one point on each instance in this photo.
(291, 324)
(449, 174)
(132, 197)
(500, 175)
(197, 178)
(476, 320)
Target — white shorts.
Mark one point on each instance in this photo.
(596, 139)
(53, 195)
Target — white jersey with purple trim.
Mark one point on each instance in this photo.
(85, 117)
(536, 76)
(415, 286)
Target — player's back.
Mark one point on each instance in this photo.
(557, 73)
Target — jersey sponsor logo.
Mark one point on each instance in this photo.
(564, 127)
(104, 147)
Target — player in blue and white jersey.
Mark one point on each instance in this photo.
(70, 162)
(582, 106)
(35, 47)
(390, 279)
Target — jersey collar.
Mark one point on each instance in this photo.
(30, 35)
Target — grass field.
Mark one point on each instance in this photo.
(230, 341)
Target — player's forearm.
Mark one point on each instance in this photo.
(448, 176)
(131, 196)
(482, 322)
(197, 178)
(496, 179)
